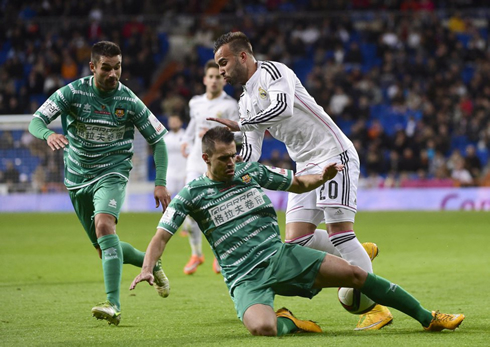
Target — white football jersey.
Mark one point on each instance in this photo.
(176, 161)
(274, 99)
(200, 108)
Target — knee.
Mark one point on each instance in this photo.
(358, 276)
(264, 329)
(105, 225)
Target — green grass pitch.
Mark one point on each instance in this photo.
(51, 277)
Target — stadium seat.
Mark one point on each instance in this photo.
(204, 54)
(302, 67)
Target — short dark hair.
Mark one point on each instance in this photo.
(216, 134)
(210, 64)
(104, 49)
(237, 41)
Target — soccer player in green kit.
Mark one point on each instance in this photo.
(98, 115)
(240, 224)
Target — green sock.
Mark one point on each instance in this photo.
(133, 256)
(285, 326)
(389, 294)
(112, 260)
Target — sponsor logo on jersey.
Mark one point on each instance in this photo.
(226, 188)
(87, 108)
(277, 170)
(119, 112)
(210, 191)
(168, 215)
(246, 178)
(99, 133)
(159, 128)
(104, 111)
(113, 203)
(49, 108)
(262, 93)
(236, 207)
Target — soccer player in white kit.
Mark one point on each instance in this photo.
(173, 139)
(274, 99)
(214, 103)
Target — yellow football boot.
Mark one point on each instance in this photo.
(302, 325)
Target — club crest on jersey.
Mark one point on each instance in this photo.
(119, 112)
(246, 178)
(262, 93)
(219, 114)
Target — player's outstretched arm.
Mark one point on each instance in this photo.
(302, 184)
(231, 124)
(153, 253)
(39, 129)
(162, 197)
(160, 156)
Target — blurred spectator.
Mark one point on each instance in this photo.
(472, 162)
(6, 140)
(69, 70)
(338, 101)
(11, 177)
(409, 163)
(460, 175)
(456, 23)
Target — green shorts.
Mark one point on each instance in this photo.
(289, 272)
(104, 196)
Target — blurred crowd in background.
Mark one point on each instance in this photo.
(408, 81)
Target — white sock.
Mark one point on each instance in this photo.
(195, 236)
(351, 249)
(318, 240)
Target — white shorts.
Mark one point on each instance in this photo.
(335, 201)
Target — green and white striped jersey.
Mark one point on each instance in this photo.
(236, 217)
(99, 127)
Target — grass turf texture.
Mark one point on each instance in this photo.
(51, 277)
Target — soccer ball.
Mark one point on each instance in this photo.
(354, 301)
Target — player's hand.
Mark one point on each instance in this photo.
(183, 150)
(162, 197)
(330, 171)
(143, 276)
(57, 141)
(231, 124)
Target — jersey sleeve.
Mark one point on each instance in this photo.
(252, 145)
(274, 178)
(57, 104)
(177, 210)
(148, 125)
(280, 82)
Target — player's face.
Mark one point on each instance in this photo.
(230, 66)
(107, 72)
(213, 81)
(221, 164)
